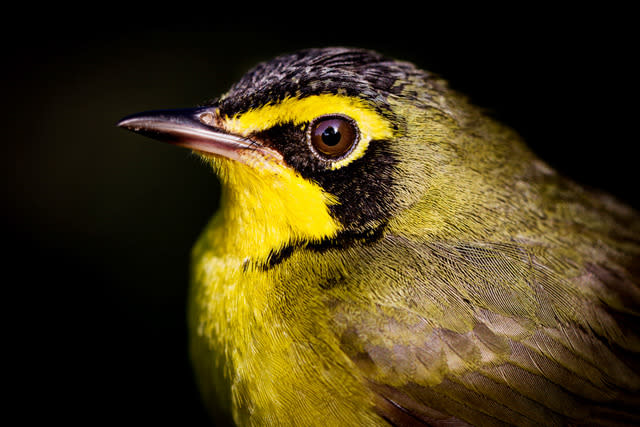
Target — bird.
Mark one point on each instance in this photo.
(386, 252)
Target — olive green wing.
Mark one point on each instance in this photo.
(492, 333)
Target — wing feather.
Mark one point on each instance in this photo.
(491, 334)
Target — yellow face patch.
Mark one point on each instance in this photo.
(302, 111)
(263, 209)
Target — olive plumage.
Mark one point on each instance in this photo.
(386, 253)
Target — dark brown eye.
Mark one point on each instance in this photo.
(333, 136)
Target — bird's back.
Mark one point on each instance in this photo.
(385, 252)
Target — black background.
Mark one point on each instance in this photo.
(100, 222)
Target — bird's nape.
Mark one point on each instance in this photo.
(386, 253)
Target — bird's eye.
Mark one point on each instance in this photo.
(333, 136)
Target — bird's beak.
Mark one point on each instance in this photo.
(188, 128)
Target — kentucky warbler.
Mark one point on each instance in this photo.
(386, 253)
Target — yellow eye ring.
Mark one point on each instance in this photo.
(332, 137)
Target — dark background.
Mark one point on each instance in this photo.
(100, 222)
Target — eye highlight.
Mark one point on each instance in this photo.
(332, 137)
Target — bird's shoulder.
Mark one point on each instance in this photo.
(495, 332)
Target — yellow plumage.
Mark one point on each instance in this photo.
(301, 111)
(386, 254)
(261, 211)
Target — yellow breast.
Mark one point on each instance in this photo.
(261, 343)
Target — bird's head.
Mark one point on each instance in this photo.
(322, 143)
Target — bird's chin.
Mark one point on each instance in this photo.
(260, 162)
